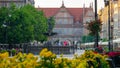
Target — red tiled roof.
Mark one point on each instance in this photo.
(49, 11)
(77, 13)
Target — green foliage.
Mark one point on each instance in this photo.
(88, 38)
(23, 24)
(104, 40)
(94, 27)
(3, 51)
(13, 51)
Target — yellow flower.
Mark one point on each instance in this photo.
(19, 65)
(4, 55)
(48, 54)
(53, 56)
(30, 55)
(18, 55)
(83, 64)
(43, 51)
(58, 61)
(25, 62)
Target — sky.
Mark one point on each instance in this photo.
(68, 3)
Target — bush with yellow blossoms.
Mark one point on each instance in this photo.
(95, 59)
(47, 59)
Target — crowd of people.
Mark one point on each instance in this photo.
(56, 43)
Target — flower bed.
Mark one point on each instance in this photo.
(115, 56)
(47, 59)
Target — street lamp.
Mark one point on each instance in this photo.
(96, 18)
(112, 26)
(107, 3)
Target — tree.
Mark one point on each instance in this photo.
(38, 20)
(3, 13)
(23, 24)
(94, 27)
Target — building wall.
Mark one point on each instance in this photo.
(116, 32)
(65, 27)
(104, 19)
(115, 15)
(68, 28)
(88, 16)
(115, 18)
(18, 3)
(118, 19)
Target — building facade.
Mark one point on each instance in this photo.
(103, 15)
(114, 20)
(18, 3)
(69, 22)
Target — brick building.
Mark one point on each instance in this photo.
(69, 22)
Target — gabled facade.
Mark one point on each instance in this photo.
(88, 16)
(68, 21)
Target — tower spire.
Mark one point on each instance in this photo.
(90, 5)
(63, 4)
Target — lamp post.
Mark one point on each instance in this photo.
(96, 18)
(107, 3)
(112, 26)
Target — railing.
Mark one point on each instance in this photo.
(54, 49)
(27, 48)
